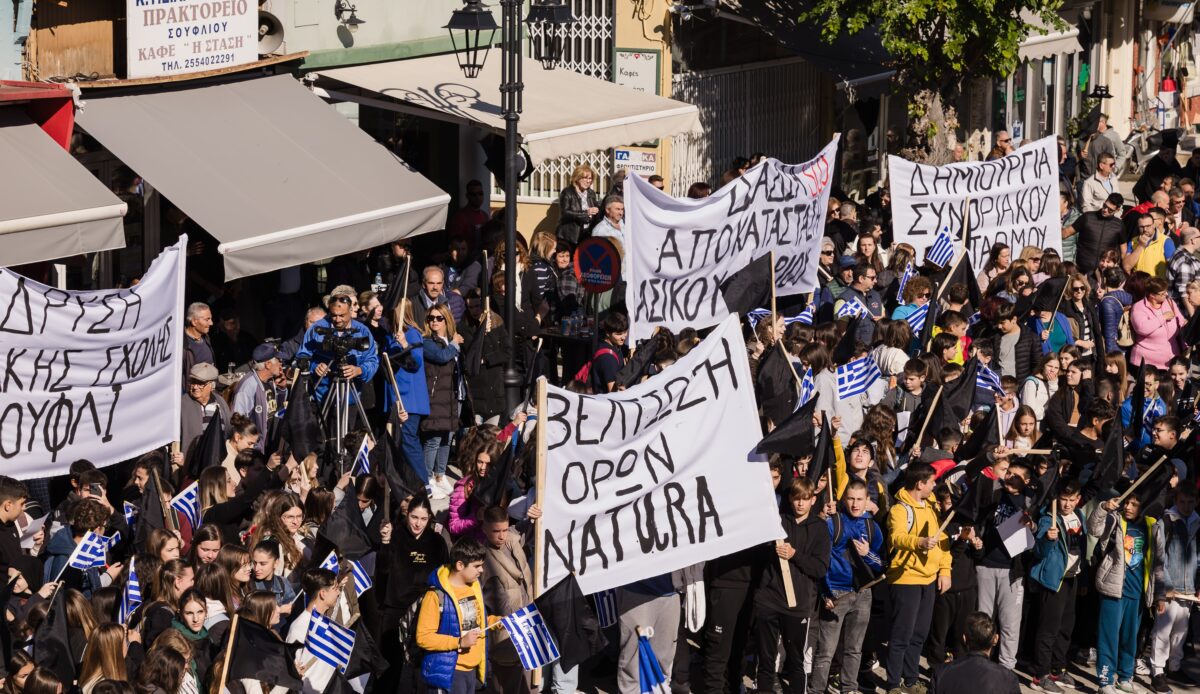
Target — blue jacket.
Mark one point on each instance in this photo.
(1155, 407)
(283, 590)
(1060, 333)
(366, 359)
(1111, 311)
(58, 551)
(409, 363)
(1051, 556)
(437, 667)
(1179, 558)
(840, 577)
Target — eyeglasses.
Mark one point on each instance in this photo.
(924, 295)
(435, 318)
(1036, 259)
(826, 252)
(340, 299)
(1020, 284)
(1005, 141)
(1079, 289)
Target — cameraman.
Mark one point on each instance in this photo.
(359, 365)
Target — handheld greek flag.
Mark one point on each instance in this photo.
(650, 673)
(941, 253)
(329, 642)
(362, 580)
(89, 553)
(909, 273)
(187, 502)
(916, 319)
(116, 537)
(1196, 418)
(854, 378)
(807, 315)
(756, 315)
(808, 388)
(362, 460)
(989, 380)
(131, 513)
(851, 308)
(605, 604)
(531, 637)
(131, 598)
(974, 318)
(330, 563)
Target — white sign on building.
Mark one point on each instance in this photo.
(642, 161)
(637, 70)
(171, 37)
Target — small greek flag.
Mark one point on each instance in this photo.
(531, 637)
(916, 319)
(187, 502)
(116, 537)
(989, 380)
(941, 253)
(362, 580)
(854, 378)
(329, 642)
(131, 598)
(362, 460)
(605, 603)
(331, 562)
(909, 273)
(131, 513)
(651, 679)
(1196, 417)
(89, 553)
(807, 315)
(808, 388)
(851, 308)
(974, 318)
(757, 315)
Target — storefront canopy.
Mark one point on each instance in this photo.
(269, 169)
(1040, 45)
(564, 112)
(53, 207)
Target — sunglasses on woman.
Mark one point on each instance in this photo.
(433, 318)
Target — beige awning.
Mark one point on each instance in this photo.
(564, 112)
(269, 169)
(1038, 46)
(52, 207)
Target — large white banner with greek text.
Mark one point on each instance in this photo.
(679, 250)
(1013, 200)
(89, 374)
(658, 477)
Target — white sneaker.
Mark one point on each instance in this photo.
(1143, 668)
(446, 484)
(438, 494)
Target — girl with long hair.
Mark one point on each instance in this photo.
(175, 577)
(162, 672)
(236, 561)
(1024, 431)
(999, 258)
(281, 518)
(464, 512)
(213, 581)
(163, 544)
(104, 657)
(206, 543)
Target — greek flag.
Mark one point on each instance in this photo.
(531, 637)
(131, 598)
(916, 319)
(974, 318)
(941, 252)
(131, 513)
(362, 460)
(808, 388)
(89, 553)
(362, 580)
(329, 642)
(116, 537)
(989, 380)
(806, 316)
(909, 273)
(854, 378)
(605, 603)
(852, 307)
(1196, 418)
(650, 673)
(756, 315)
(187, 502)
(330, 563)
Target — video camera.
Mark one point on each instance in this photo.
(340, 345)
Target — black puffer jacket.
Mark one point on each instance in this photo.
(1028, 352)
(442, 380)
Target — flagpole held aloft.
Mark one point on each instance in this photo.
(929, 415)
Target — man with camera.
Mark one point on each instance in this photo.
(340, 348)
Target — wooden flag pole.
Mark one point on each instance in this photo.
(228, 651)
(391, 375)
(539, 567)
(929, 415)
(945, 524)
(772, 255)
(168, 513)
(1141, 478)
(954, 266)
(1062, 295)
(785, 569)
(1054, 513)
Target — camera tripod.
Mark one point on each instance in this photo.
(339, 400)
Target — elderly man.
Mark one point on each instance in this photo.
(614, 214)
(250, 396)
(1184, 266)
(200, 405)
(1004, 145)
(433, 292)
(197, 347)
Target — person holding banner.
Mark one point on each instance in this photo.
(507, 587)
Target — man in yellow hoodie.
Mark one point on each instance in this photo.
(919, 569)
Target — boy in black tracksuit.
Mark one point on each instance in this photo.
(806, 549)
(950, 609)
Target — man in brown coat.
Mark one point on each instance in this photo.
(507, 587)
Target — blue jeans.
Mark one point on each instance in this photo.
(410, 446)
(437, 451)
(559, 681)
(1116, 638)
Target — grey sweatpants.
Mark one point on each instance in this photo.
(848, 622)
(1001, 594)
(639, 610)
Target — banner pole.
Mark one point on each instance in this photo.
(929, 415)
(772, 254)
(228, 651)
(168, 513)
(1141, 478)
(539, 567)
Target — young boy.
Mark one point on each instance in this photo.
(1176, 544)
(999, 574)
(1060, 557)
(906, 395)
(951, 608)
(1125, 582)
(1154, 408)
(954, 324)
(322, 589)
(264, 561)
(854, 560)
(12, 504)
(451, 623)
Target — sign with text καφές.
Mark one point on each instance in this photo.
(1013, 200)
(597, 264)
(657, 477)
(637, 70)
(678, 251)
(90, 374)
(171, 37)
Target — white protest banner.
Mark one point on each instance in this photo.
(89, 374)
(658, 477)
(1013, 200)
(678, 251)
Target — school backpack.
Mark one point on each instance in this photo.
(1124, 330)
(585, 371)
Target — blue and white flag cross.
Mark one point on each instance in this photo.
(531, 637)
(942, 251)
(329, 642)
(605, 603)
(89, 553)
(187, 502)
(854, 378)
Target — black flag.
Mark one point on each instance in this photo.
(793, 436)
(572, 621)
(1153, 490)
(490, 490)
(638, 365)
(953, 406)
(1107, 470)
(395, 291)
(748, 288)
(301, 429)
(51, 643)
(150, 511)
(775, 384)
(843, 351)
(1137, 409)
(823, 458)
(260, 655)
(983, 438)
(401, 479)
(1042, 490)
(926, 335)
(209, 450)
(344, 530)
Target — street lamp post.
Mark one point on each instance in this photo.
(547, 21)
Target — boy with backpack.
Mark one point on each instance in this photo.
(451, 623)
(854, 561)
(1060, 562)
(601, 372)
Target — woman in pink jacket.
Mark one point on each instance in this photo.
(1156, 322)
